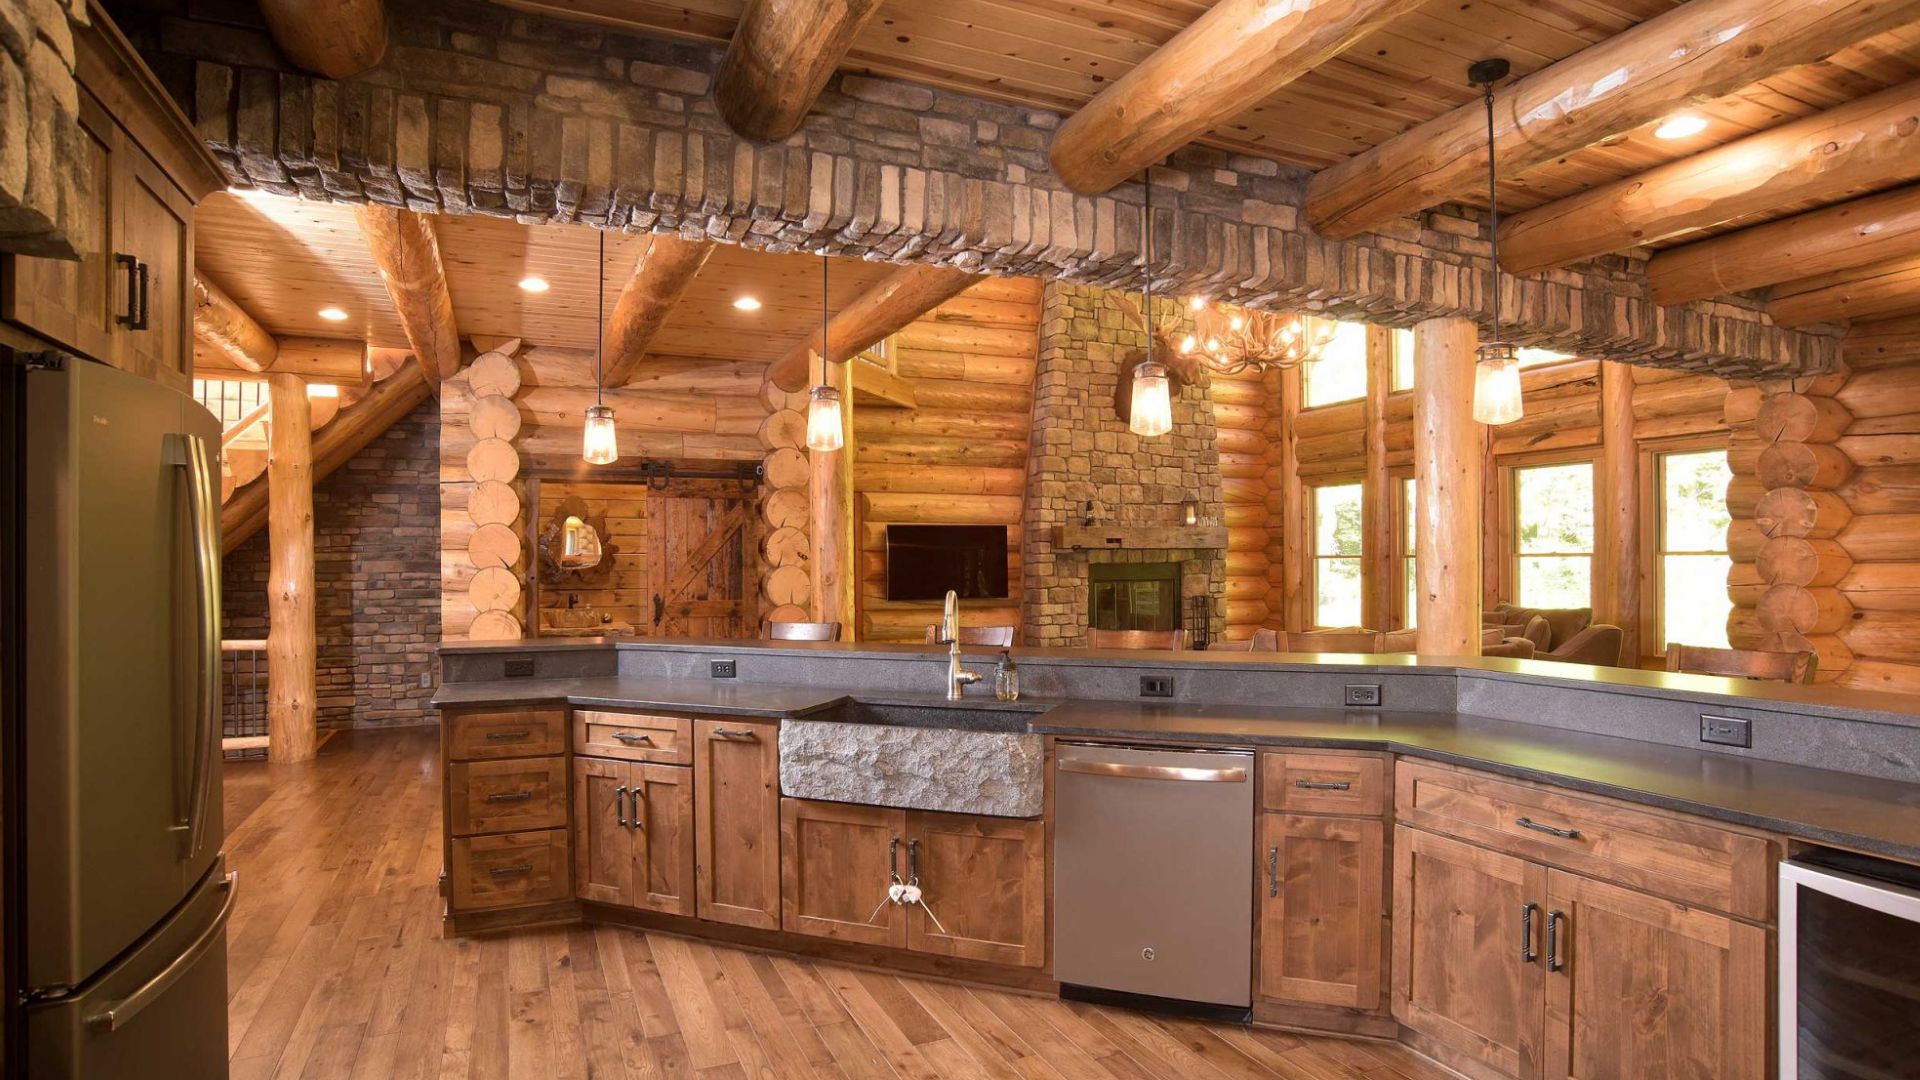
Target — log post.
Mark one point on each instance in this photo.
(830, 497)
(1617, 597)
(292, 653)
(1377, 503)
(1449, 469)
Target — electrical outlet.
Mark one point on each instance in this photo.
(519, 667)
(1363, 693)
(1726, 730)
(721, 669)
(1156, 686)
(426, 680)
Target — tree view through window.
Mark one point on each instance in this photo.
(1553, 535)
(1336, 555)
(1693, 549)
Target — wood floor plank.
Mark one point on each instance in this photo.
(338, 970)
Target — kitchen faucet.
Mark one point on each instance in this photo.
(957, 676)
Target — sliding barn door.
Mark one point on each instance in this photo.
(697, 551)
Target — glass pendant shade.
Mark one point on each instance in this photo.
(1496, 385)
(600, 445)
(824, 432)
(1152, 411)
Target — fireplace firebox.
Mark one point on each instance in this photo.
(1133, 596)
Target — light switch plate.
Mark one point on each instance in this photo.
(1726, 730)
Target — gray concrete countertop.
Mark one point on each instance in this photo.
(1819, 805)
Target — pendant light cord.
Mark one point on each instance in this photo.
(600, 321)
(823, 318)
(1146, 214)
(1493, 208)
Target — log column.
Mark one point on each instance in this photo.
(291, 650)
(830, 495)
(1449, 469)
(1786, 560)
(1618, 595)
(786, 587)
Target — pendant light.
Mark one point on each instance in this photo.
(1496, 374)
(824, 432)
(599, 444)
(1151, 412)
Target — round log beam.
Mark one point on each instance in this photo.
(899, 299)
(335, 38)
(1874, 229)
(780, 58)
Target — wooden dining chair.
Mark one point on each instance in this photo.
(1171, 640)
(803, 631)
(1330, 641)
(1791, 667)
(1263, 640)
(997, 636)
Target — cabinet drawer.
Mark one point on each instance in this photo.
(1673, 855)
(510, 870)
(664, 740)
(1353, 784)
(504, 733)
(506, 796)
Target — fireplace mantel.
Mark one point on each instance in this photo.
(1137, 537)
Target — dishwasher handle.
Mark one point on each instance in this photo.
(1130, 771)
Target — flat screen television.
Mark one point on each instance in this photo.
(924, 561)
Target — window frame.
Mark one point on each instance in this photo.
(1310, 548)
(1653, 521)
(1393, 361)
(1508, 468)
(1402, 549)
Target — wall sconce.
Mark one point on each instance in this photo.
(1190, 511)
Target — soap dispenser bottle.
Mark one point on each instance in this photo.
(1006, 677)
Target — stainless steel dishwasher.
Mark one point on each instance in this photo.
(1153, 871)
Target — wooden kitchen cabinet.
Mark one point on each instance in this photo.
(1467, 969)
(1637, 986)
(736, 769)
(985, 880)
(835, 860)
(1322, 910)
(633, 842)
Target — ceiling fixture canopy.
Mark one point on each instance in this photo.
(825, 430)
(1496, 376)
(600, 443)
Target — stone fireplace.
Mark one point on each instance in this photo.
(1088, 473)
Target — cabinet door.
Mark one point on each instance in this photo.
(156, 228)
(602, 840)
(1647, 988)
(984, 883)
(1461, 976)
(660, 818)
(834, 863)
(74, 303)
(737, 822)
(1322, 909)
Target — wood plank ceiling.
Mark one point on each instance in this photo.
(1060, 53)
(283, 260)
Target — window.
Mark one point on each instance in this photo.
(1403, 359)
(1403, 548)
(1341, 372)
(1336, 555)
(1532, 357)
(1692, 557)
(1553, 535)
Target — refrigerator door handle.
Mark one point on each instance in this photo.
(120, 1013)
(189, 452)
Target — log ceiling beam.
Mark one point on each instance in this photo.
(1694, 53)
(876, 386)
(1865, 231)
(780, 58)
(1224, 63)
(334, 38)
(660, 276)
(1885, 343)
(228, 332)
(408, 254)
(899, 299)
(1881, 291)
(1864, 145)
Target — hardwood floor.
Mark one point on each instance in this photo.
(338, 969)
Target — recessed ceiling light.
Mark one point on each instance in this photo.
(747, 303)
(1680, 126)
(534, 283)
(333, 314)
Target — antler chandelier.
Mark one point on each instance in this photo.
(1231, 339)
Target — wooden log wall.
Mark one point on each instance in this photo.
(1242, 416)
(674, 409)
(1826, 530)
(959, 456)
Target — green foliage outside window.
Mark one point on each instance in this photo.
(1336, 555)
(1553, 535)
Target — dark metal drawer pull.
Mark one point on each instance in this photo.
(735, 733)
(510, 796)
(1273, 871)
(508, 736)
(1324, 785)
(1554, 961)
(1564, 834)
(1527, 955)
(512, 871)
(632, 737)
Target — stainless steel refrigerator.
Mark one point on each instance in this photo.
(118, 896)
